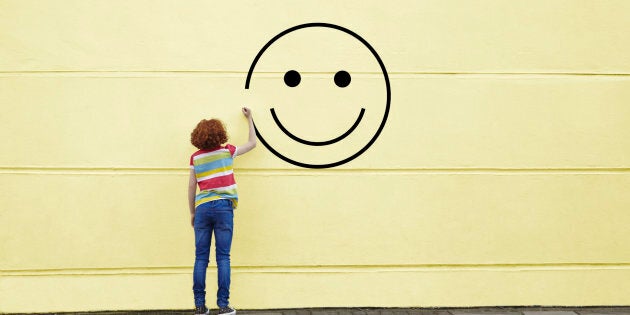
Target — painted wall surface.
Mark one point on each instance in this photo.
(501, 176)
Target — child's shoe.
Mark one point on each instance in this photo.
(228, 310)
(202, 310)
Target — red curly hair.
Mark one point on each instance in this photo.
(209, 134)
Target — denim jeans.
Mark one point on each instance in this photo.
(217, 216)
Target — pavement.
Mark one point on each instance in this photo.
(451, 311)
(529, 310)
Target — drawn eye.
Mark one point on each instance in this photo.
(342, 79)
(292, 78)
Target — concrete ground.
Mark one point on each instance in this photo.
(617, 310)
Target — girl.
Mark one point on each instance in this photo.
(211, 210)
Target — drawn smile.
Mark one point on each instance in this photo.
(316, 143)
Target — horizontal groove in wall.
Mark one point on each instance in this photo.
(251, 171)
(325, 269)
(301, 172)
(243, 74)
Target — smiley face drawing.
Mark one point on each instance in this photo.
(354, 91)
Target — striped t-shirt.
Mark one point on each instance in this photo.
(215, 177)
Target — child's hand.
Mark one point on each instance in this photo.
(247, 112)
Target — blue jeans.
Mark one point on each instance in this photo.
(217, 216)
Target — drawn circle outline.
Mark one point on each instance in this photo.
(387, 86)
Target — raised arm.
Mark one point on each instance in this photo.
(251, 142)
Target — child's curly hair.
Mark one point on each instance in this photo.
(208, 134)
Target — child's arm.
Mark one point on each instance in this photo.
(251, 143)
(192, 190)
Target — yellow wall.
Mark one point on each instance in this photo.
(501, 177)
